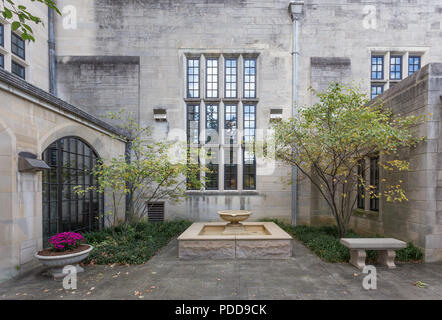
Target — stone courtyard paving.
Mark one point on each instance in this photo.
(304, 276)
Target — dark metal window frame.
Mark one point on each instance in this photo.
(415, 66)
(2, 61)
(376, 86)
(58, 183)
(377, 72)
(226, 68)
(212, 68)
(15, 46)
(255, 68)
(20, 67)
(2, 35)
(374, 181)
(188, 74)
(212, 177)
(395, 64)
(249, 170)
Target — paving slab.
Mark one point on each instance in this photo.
(303, 276)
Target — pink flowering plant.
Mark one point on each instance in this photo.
(65, 241)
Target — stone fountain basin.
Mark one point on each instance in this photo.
(205, 240)
(234, 216)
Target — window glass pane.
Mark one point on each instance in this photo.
(2, 61)
(376, 89)
(395, 67)
(193, 73)
(377, 67)
(361, 189)
(17, 46)
(231, 124)
(193, 124)
(231, 78)
(249, 169)
(18, 70)
(230, 168)
(211, 123)
(249, 78)
(212, 162)
(2, 35)
(374, 183)
(212, 78)
(414, 64)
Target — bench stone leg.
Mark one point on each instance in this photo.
(386, 257)
(357, 258)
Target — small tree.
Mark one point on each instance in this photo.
(147, 177)
(328, 140)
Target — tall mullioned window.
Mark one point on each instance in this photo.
(249, 160)
(414, 64)
(212, 78)
(225, 114)
(249, 78)
(17, 46)
(193, 78)
(395, 67)
(231, 78)
(377, 67)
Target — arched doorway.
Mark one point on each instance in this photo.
(71, 160)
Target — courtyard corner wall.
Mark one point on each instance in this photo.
(418, 220)
(31, 119)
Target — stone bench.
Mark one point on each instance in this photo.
(385, 246)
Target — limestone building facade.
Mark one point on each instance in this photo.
(217, 73)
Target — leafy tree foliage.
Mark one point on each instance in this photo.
(327, 141)
(20, 17)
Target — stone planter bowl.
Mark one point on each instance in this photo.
(234, 216)
(56, 263)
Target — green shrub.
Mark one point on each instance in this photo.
(132, 244)
(324, 242)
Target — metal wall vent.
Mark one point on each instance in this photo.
(155, 211)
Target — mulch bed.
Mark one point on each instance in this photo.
(49, 252)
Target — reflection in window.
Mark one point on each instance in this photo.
(414, 64)
(2, 35)
(18, 46)
(193, 124)
(211, 123)
(396, 67)
(71, 161)
(230, 124)
(212, 78)
(2, 61)
(230, 168)
(212, 166)
(374, 182)
(377, 67)
(193, 78)
(231, 78)
(249, 167)
(249, 78)
(376, 89)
